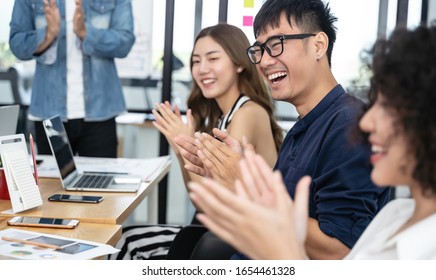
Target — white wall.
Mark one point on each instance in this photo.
(138, 64)
(5, 18)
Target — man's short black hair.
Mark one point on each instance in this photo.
(311, 16)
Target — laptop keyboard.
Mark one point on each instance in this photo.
(94, 182)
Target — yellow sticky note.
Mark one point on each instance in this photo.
(248, 3)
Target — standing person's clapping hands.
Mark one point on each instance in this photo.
(79, 26)
(53, 20)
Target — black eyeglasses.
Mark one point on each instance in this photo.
(273, 46)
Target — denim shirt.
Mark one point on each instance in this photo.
(109, 35)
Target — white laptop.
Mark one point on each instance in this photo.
(71, 178)
(9, 119)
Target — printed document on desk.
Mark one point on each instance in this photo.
(23, 191)
(147, 168)
(69, 249)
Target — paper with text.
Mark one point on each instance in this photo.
(23, 191)
(22, 181)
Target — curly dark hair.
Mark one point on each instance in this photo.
(404, 73)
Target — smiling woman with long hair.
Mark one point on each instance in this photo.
(227, 93)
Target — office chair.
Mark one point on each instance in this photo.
(19, 79)
(11, 75)
(195, 242)
(185, 241)
(210, 247)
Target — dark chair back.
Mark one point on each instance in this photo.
(210, 247)
(185, 241)
(195, 242)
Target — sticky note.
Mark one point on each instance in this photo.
(247, 21)
(248, 3)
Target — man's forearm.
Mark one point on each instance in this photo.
(320, 246)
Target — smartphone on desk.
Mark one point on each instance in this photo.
(75, 198)
(43, 222)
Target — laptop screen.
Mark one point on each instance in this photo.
(9, 119)
(60, 146)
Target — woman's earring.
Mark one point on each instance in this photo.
(239, 70)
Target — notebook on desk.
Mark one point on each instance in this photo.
(71, 178)
(9, 117)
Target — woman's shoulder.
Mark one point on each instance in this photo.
(251, 114)
(251, 109)
(251, 117)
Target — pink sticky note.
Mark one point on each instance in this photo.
(247, 21)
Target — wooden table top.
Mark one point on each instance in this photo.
(114, 209)
(101, 233)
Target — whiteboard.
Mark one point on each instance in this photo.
(5, 19)
(138, 63)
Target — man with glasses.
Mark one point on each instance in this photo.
(293, 48)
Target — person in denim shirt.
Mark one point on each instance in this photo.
(74, 44)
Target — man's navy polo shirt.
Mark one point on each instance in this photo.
(342, 198)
